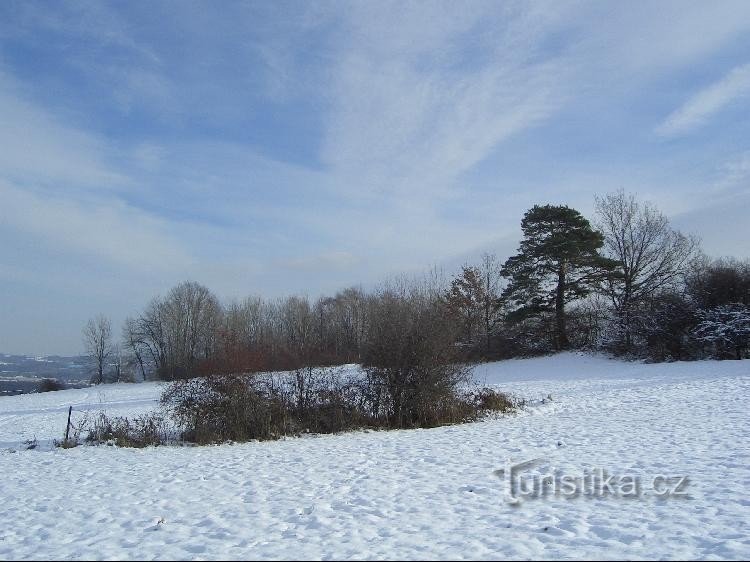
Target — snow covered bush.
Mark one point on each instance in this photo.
(663, 328)
(726, 329)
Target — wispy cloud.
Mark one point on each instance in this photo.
(102, 230)
(38, 148)
(322, 262)
(411, 110)
(705, 104)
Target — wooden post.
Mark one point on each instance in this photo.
(67, 428)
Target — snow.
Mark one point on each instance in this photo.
(43, 416)
(400, 494)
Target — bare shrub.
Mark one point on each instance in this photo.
(491, 400)
(223, 408)
(73, 438)
(141, 431)
(414, 375)
(220, 408)
(50, 385)
(413, 365)
(323, 400)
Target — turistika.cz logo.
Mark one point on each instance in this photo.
(592, 483)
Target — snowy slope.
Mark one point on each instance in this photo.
(44, 416)
(411, 494)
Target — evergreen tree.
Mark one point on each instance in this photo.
(558, 262)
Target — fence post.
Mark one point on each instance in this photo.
(67, 427)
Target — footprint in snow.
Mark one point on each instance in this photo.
(158, 523)
(556, 531)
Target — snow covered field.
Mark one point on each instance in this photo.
(401, 494)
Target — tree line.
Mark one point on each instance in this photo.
(628, 283)
(218, 361)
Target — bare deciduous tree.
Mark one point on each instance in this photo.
(652, 255)
(97, 339)
(491, 269)
(713, 283)
(467, 302)
(134, 345)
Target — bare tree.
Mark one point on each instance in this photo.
(191, 316)
(491, 275)
(135, 345)
(173, 335)
(117, 362)
(97, 339)
(467, 301)
(150, 332)
(713, 283)
(652, 255)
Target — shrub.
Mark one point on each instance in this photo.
(221, 408)
(50, 385)
(491, 400)
(73, 433)
(66, 443)
(665, 327)
(413, 366)
(141, 431)
(224, 408)
(323, 400)
(726, 330)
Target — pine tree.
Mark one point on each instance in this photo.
(558, 261)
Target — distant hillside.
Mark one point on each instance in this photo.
(21, 373)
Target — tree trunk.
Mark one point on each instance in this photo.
(625, 314)
(561, 337)
(140, 364)
(487, 305)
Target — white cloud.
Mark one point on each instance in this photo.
(411, 110)
(660, 36)
(60, 185)
(39, 148)
(736, 173)
(103, 230)
(323, 262)
(423, 117)
(706, 103)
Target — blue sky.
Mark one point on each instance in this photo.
(301, 147)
